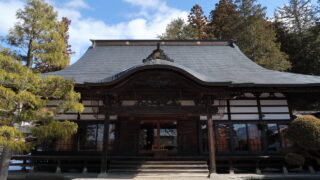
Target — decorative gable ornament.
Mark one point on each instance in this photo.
(157, 54)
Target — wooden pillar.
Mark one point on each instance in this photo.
(212, 148)
(104, 158)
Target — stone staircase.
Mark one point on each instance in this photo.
(159, 168)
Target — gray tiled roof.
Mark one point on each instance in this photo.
(207, 63)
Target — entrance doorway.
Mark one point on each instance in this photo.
(158, 136)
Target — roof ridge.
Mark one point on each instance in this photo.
(153, 42)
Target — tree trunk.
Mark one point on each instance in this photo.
(29, 55)
(4, 163)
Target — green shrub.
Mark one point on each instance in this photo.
(305, 132)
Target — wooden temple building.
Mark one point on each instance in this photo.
(176, 101)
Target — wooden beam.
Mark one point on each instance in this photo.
(153, 110)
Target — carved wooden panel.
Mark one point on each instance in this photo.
(161, 80)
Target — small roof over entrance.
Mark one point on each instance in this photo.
(208, 62)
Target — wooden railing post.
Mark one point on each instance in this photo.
(58, 170)
(311, 169)
(285, 170)
(31, 163)
(258, 170)
(231, 168)
(24, 164)
(85, 169)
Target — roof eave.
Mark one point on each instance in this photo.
(215, 84)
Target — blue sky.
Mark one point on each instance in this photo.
(114, 11)
(117, 19)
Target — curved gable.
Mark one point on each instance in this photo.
(157, 65)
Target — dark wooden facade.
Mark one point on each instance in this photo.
(184, 100)
(210, 122)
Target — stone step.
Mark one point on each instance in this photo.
(158, 162)
(160, 165)
(159, 170)
(162, 175)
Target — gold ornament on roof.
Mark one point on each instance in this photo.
(157, 54)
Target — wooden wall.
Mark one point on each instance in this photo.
(268, 108)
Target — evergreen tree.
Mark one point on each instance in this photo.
(40, 37)
(198, 22)
(6, 53)
(224, 19)
(303, 51)
(177, 29)
(256, 38)
(298, 15)
(243, 20)
(23, 99)
(65, 34)
(299, 35)
(311, 64)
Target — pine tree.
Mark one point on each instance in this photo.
(298, 15)
(299, 35)
(6, 53)
(256, 37)
(224, 19)
(244, 21)
(177, 29)
(24, 95)
(40, 37)
(65, 34)
(198, 22)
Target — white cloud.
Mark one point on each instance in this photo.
(77, 4)
(148, 22)
(146, 3)
(8, 9)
